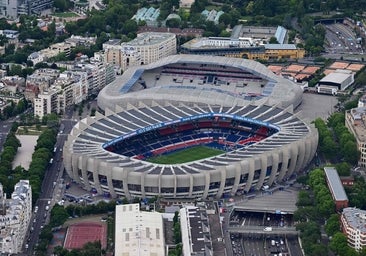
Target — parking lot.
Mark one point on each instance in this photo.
(316, 105)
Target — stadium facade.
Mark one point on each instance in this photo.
(182, 101)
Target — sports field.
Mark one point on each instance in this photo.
(186, 155)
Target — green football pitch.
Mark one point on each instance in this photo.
(186, 155)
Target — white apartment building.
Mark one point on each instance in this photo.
(40, 80)
(144, 49)
(15, 215)
(138, 232)
(356, 123)
(353, 222)
(46, 102)
(72, 87)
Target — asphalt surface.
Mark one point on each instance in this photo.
(50, 182)
(5, 127)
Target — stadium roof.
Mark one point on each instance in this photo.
(335, 184)
(92, 133)
(284, 93)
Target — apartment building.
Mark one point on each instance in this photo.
(144, 49)
(46, 102)
(12, 9)
(80, 81)
(15, 215)
(195, 228)
(356, 124)
(39, 81)
(353, 223)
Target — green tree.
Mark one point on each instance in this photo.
(350, 152)
(338, 244)
(59, 216)
(304, 199)
(332, 225)
(273, 40)
(343, 169)
(173, 23)
(225, 18)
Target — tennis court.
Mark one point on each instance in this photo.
(78, 235)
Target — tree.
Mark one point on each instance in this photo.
(350, 152)
(304, 199)
(318, 250)
(60, 251)
(273, 40)
(338, 244)
(225, 18)
(59, 216)
(332, 225)
(62, 5)
(173, 23)
(129, 26)
(15, 70)
(329, 147)
(92, 249)
(343, 169)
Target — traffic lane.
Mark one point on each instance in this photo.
(47, 193)
(227, 238)
(68, 125)
(51, 175)
(36, 226)
(294, 246)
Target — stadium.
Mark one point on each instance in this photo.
(191, 127)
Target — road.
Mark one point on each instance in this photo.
(49, 183)
(260, 230)
(5, 127)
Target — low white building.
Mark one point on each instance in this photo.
(35, 58)
(138, 232)
(339, 80)
(15, 215)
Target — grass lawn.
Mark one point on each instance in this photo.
(65, 14)
(186, 155)
(30, 130)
